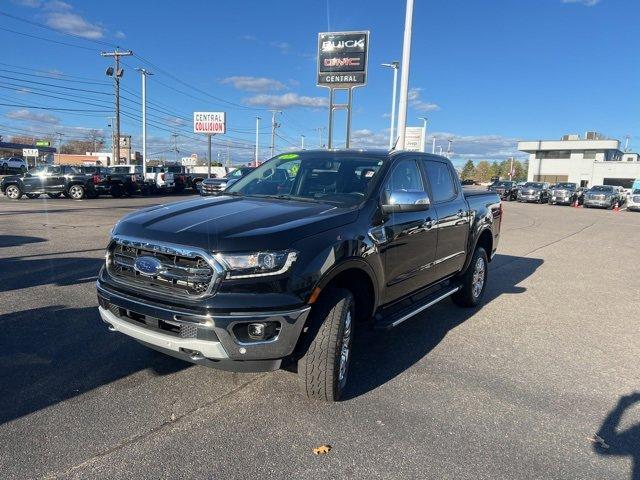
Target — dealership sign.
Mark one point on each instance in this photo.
(29, 152)
(342, 59)
(211, 123)
(414, 139)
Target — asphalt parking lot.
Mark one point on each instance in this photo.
(517, 389)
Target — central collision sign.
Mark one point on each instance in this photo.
(342, 59)
(211, 123)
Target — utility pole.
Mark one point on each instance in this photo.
(440, 150)
(60, 135)
(424, 133)
(175, 147)
(395, 66)
(257, 156)
(209, 156)
(144, 73)
(228, 154)
(404, 81)
(117, 75)
(274, 125)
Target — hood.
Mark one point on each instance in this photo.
(214, 181)
(11, 177)
(227, 224)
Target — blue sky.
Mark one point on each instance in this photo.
(486, 73)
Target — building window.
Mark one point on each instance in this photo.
(589, 155)
(565, 154)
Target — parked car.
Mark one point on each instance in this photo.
(621, 195)
(534, 192)
(212, 186)
(283, 268)
(633, 201)
(184, 179)
(563, 193)
(110, 181)
(52, 180)
(13, 165)
(468, 182)
(159, 179)
(128, 180)
(602, 196)
(506, 189)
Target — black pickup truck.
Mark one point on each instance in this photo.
(280, 269)
(52, 180)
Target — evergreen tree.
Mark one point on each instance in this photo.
(468, 171)
(483, 171)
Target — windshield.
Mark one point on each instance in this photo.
(636, 191)
(601, 188)
(502, 184)
(533, 185)
(239, 172)
(337, 178)
(571, 186)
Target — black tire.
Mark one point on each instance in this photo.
(469, 295)
(76, 192)
(322, 373)
(116, 191)
(54, 195)
(13, 192)
(32, 195)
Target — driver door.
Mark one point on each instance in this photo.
(410, 243)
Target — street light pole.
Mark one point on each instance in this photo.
(255, 160)
(301, 142)
(424, 133)
(274, 125)
(117, 75)
(144, 73)
(395, 66)
(404, 81)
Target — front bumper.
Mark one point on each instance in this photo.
(566, 200)
(597, 203)
(200, 336)
(528, 198)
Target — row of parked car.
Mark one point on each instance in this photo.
(567, 193)
(78, 182)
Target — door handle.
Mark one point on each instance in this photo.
(428, 223)
(460, 213)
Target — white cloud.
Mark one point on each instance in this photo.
(284, 47)
(249, 38)
(57, 5)
(29, 116)
(253, 84)
(418, 104)
(286, 100)
(28, 3)
(119, 34)
(588, 3)
(69, 22)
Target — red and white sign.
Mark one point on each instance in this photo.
(211, 123)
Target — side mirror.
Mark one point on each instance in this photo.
(401, 201)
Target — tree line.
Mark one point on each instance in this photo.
(484, 171)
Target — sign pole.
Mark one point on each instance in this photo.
(330, 140)
(349, 101)
(209, 156)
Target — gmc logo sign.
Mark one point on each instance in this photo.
(342, 62)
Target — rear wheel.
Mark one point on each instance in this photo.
(474, 281)
(13, 192)
(76, 192)
(324, 368)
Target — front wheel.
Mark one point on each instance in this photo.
(324, 367)
(13, 192)
(474, 280)
(76, 192)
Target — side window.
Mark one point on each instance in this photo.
(405, 177)
(55, 170)
(439, 175)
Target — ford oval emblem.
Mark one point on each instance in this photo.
(148, 266)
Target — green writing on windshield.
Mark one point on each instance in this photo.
(288, 156)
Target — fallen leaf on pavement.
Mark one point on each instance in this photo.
(322, 449)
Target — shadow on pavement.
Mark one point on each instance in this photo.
(18, 240)
(16, 273)
(380, 356)
(621, 443)
(54, 353)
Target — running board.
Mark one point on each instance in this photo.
(398, 317)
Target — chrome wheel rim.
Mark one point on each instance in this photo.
(345, 349)
(12, 191)
(75, 192)
(478, 277)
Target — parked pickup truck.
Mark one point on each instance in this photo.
(282, 268)
(109, 182)
(214, 185)
(183, 179)
(52, 180)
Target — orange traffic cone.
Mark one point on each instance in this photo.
(616, 207)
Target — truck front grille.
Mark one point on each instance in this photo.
(181, 272)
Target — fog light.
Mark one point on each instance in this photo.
(256, 331)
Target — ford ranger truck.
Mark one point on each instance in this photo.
(285, 264)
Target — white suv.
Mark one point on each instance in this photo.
(633, 200)
(13, 163)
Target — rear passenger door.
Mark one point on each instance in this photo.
(452, 214)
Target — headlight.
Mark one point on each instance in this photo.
(259, 264)
(223, 185)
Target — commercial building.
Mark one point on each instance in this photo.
(594, 160)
